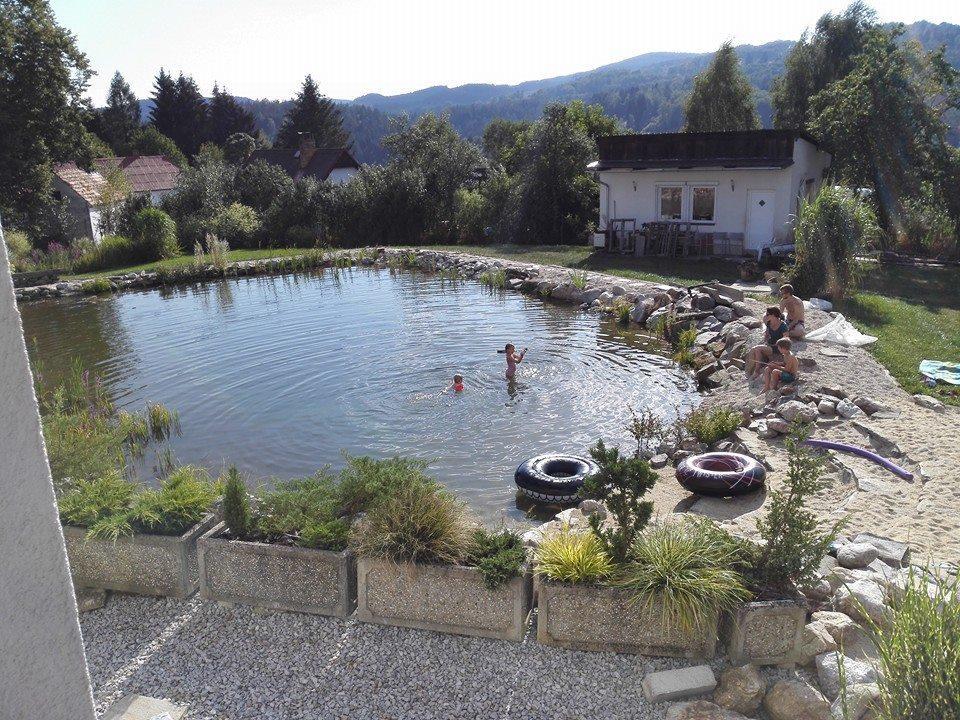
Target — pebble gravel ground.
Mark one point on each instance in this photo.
(238, 663)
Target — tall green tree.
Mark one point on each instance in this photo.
(312, 113)
(557, 198)
(884, 123)
(43, 76)
(120, 120)
(179, 111)
(447, 162)
(227, 117)
(722, 98)
(503, 142)
(818, 60)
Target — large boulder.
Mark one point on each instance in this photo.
(741, 689)
(856, 672)
(814, 641)
(846, 409)
(701, 301)
(840, 626)
(857, 555)
(796, 410)
(930, 403)
(741, 309)
(795, 700)
(863, 600)
(857, 702)
(723, 313)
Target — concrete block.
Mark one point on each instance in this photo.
(766, 633)
(142, 564)
(139, 707)
(277, 577)
(602, 619)
(442, 598)
(678, 684)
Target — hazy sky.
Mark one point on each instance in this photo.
(263, 48)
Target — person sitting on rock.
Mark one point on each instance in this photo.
(792, 308)
(782, 373)
(774, 329)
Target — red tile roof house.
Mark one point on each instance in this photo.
(81, 191)
(334, 164)
(153, 174)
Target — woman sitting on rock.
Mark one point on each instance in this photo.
(759, 356)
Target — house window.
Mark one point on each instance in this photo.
(671, 202)
(703, 203)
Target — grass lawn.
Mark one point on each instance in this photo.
(914, 312)
(184, 260)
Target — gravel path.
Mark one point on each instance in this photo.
(239, 664)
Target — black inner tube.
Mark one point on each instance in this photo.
(561, 468)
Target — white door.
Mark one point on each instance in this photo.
(759, 218)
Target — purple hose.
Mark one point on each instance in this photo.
(862, 452)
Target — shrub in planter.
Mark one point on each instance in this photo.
(793, 542)
(288, 549)
(423, 564)
(121, 536)
(620, 484)
(572, 557)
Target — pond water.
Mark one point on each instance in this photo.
(280, 374)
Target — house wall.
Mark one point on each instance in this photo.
(633, 193)
(338, 176)
(79, 209)
(43, 670)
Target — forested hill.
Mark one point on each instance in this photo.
(646, 92)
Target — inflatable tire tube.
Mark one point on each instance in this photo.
(721, 474)
(553, 478)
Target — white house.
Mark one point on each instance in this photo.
(80, 190)
(746, 184)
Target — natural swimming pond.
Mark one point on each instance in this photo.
(280, 374)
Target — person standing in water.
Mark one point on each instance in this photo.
(513, 359)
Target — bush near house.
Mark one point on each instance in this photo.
(113, 251)
(154, 235)
(236, 224)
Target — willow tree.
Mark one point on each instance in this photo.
(722, 97)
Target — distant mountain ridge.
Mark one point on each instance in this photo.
(646, 92)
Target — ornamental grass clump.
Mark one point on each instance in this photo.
(420, 523)
(919, 651)
(686, 572)
(236, 504)
(495, 278)
(573, 557)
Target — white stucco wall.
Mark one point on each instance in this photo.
(43, 670)
(633, 193)
(338, 176)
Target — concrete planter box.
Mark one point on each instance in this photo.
(601, 619)
(142, 564)
(277, 577)
(444, 598)
(765, 633)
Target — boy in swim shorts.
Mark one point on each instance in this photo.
(792, 308)
(513, 359)
(782, 373)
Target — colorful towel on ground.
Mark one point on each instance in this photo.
(942, 371)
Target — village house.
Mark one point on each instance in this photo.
(336, 165)
(153, 175)
(721, 192)
(81, 191)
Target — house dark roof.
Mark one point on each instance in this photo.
(145, 173)
(321, 163)
(747, 148)
(87, 185)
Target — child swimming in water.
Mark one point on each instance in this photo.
(513, 359)
(457, 385)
